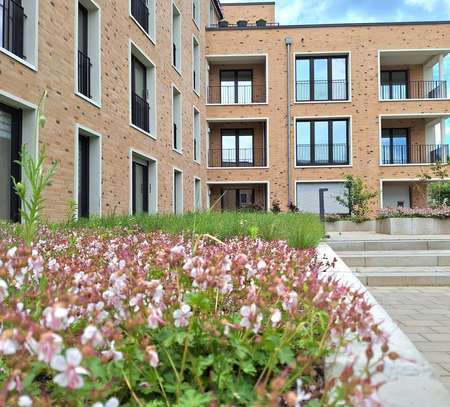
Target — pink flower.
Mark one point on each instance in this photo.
(48, 346)
(290, 303)
(92, 335)
(155, 318)
(301, 395)
(181, 316)
(152, 356)
(112, 354)
(56, 317)
(112, 402)
(71, 371)
(275, 318)
(3, 290)
(8, 343)
(251, 318)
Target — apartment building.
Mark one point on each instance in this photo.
(175, 106)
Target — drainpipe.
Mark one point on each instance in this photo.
(288, 42)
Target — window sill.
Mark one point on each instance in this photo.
(237, 104)
(91, 101)
(142, 131)
(237, 168)
(152, 40)
(407, 165)
(177, 70)
(196, 162)
(324, 166)
(18, 59)
(196, 23)
(415, 100)
(196, 91)
(305, 102)
(180, 152)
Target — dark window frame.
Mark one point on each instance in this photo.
(13, 15)
(15, 169)
(142, 20)
(390, 83)
(329, 79)
(84, 182)
(391, 136)
(140, 119)
(237, 162)
(84, 61)
(236, 82)
(330, 121)
(145, 184)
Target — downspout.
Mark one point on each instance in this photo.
(288, 42)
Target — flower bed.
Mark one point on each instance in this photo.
(438, 213)
(122, 317)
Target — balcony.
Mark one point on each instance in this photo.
(84, 74)
(322, 154)
(336, 90)
(140, 12)
(238, 197)
(244, 157)
(413, 75)
(237, 80)
(13, 20)
(414, 154)
(140, 113)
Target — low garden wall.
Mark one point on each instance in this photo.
(350, 226)
(413, 226)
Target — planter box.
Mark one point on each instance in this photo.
(349, 226)
(413, 226)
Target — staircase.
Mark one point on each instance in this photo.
(397, 262)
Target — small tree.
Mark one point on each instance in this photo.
(30, 192)
(438, 191)
(356, 197)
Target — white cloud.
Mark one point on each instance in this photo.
(429, 5)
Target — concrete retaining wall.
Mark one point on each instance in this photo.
(349, 226)
(413, 226)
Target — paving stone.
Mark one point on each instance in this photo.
(436, 337)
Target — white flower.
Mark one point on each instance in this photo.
(290, 303)
(112, 402)
(8, 343)
(153, 356)
(71, 371)
(251, 318)
(154, 318)
(275, 318)
(48, 346)
(11, 252)
(182, 315)
(56, 317)
(301, 395)
(261, 265)
(93, 335)
(112, 354)
(3, 290)
(25, 401)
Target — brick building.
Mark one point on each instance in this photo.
(172, 106)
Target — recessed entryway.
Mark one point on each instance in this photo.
(143, 184)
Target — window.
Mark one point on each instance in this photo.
(236, 86)
(237, 148)
(394, 85)
(10, 145)
(143, 184)
(236, 198)
(176, 38)
(323, 142)
(88, 173)
(195, 65)
(196, 11)
(143, 98)
(212, 17)
(196, 135)
(176, 120)
(143, 12)
(322, 78)
(197, 194)
(177, 192)
(88, 50)
(18, 29)
(395, 146)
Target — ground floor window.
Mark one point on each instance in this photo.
(10, 145)
(177, 192)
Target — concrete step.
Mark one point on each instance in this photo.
(389, 244)
(391, 258)
(403, 276)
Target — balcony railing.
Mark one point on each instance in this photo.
(243, 157)
(322, 154)
(414, 90)
(239, 94)
(321, 90)
(84, 74)
(140, 112)
(12, 26)
(140, 12)
(415, 154)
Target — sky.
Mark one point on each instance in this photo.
(345, 11)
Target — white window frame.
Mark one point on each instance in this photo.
(135, 51)
(95, 169)
(151, 34)
(95, 41)
(196, 18)
(176, 36)
(196, 135)
(197, 180)
(196, 65)
(180, 196)
(179, 122)
(30, 36)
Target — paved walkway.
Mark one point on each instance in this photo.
(423, 313)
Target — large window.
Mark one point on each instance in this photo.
(10, 144)
(323, 142)
(237, 148)
(236, 198)
(394, 85)
(177, 192)
(236, 86)
(196, 11)
(196, 146)
(176, 38)
(143, 12)
(321, 78)
(195, 65)
(176, 120)
(395, 146)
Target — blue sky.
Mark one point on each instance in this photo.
(344, 11)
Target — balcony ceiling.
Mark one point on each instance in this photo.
(409, 57)
(428, 117)
(237, 59)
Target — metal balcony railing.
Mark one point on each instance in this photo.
(242, 157)
(322, 154)
(237, 94)
(84, 74)
(415, 154)
(414, 90)
(140, 12)
(12, 26)
(321, 90)
(140, 112)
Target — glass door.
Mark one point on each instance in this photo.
(140, 188)
(394, 85)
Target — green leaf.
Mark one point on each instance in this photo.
(193, 398)
(286, 355)
(198, 300)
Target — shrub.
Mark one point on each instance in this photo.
(356, 197)
(439, 213)
(438, 191)
(155, 320)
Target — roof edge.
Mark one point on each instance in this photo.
(250, 3)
